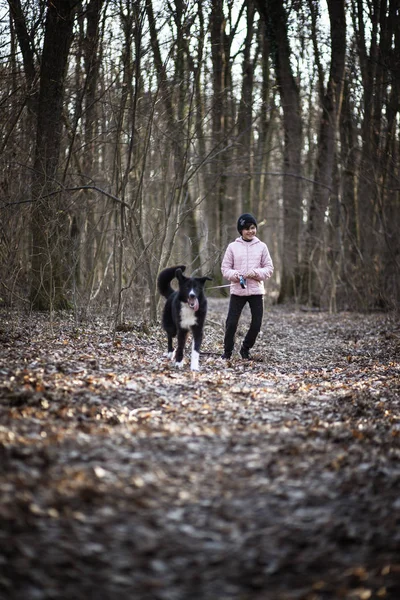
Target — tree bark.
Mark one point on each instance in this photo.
(48, 224)
(274, 14)
(245, 154)
(331, 107)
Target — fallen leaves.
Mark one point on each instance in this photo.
(122, 476)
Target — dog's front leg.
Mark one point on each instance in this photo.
(182, 335)
(194, 361)
(197, 339)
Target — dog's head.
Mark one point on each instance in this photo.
(191, 289)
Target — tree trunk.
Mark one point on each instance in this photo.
(244, 159)
(49, 226)
(313, 277)
(266, 118)
(273, 12)
(217, 191)
(369, 66)
(348, 145)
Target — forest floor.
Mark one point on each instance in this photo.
(123, 478)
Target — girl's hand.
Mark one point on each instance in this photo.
(251, 274)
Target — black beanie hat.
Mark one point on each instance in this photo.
(246, 219)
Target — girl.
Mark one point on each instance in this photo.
(247, 264)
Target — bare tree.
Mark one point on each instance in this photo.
(274, 14)
(378, 50)
(150, 136)
(245, 121)
(331, 102)
(48, 215)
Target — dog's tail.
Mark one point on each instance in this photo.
(164, 280)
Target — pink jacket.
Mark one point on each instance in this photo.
(242, 257)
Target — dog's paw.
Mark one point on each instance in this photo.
(179, 365)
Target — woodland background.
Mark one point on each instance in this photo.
(133, 133)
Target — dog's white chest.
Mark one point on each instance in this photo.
(188, 316)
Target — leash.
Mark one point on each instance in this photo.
(217, 287)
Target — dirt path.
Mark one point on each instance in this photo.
(123, 478)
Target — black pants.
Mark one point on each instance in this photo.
(236, 306)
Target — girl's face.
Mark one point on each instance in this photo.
(248, 233)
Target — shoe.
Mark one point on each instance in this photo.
(244, 353)
(226, 356)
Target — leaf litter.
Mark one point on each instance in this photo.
(124, 477)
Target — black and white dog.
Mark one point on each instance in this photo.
(184, 310)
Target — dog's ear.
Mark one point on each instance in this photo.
(204, 279)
